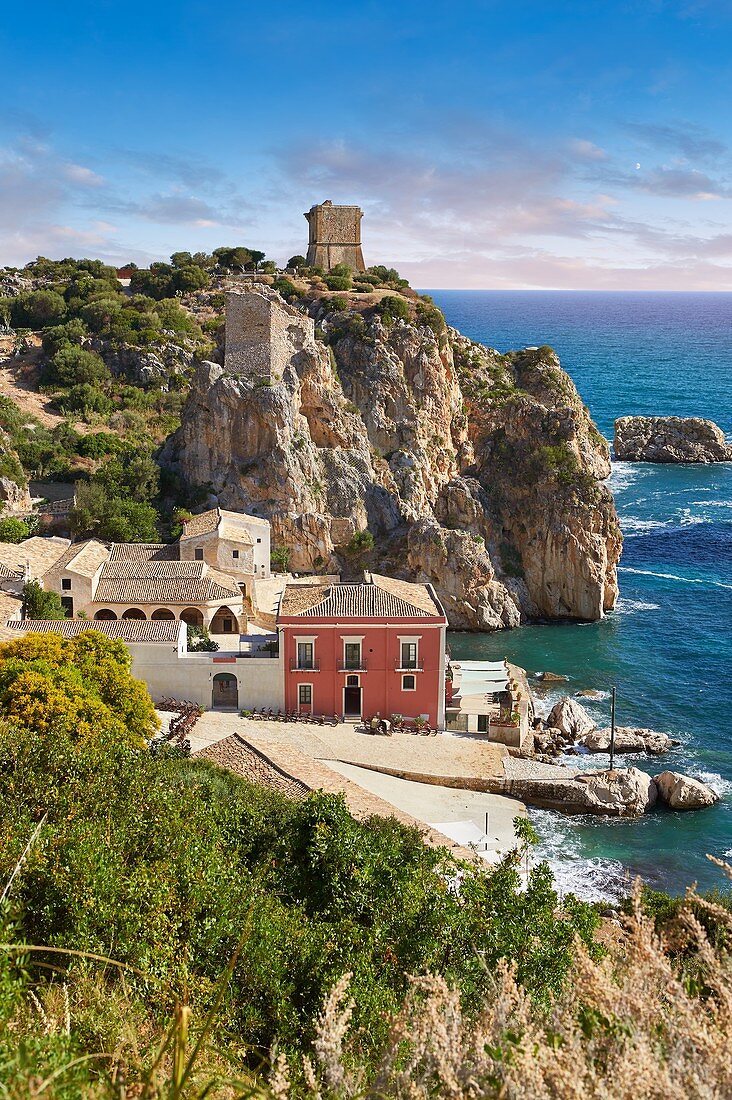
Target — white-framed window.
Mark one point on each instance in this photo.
(305, 695)
(409, 682)
(409, 651)
(305, 651)
(352, 654)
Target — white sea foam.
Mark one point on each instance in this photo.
(627, 606)
(622, 474)
(591, 878)
(714, 780)
(632, 524)
(673, 577)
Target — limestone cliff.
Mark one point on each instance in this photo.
(479, 472)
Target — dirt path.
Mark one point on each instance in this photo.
(19, 380)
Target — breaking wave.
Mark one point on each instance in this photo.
(674, 577)
(592, 878)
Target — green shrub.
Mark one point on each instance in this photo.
(41, 603)
(338, 304)
(338, 282)
(86, 399)
(38, 309)
(13, 529)
(72, 332)
(72, 365)
(392, 308)
(286, 288)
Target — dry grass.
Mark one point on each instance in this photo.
(640, 1024)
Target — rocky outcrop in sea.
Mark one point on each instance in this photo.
(479, 472)
(670, 439)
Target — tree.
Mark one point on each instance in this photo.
(296, 262)
(39, 603)
(78, 686)
(13, 529)
(233, 259)
(99, 514)
(279, 558)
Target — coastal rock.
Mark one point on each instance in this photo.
(570, 717)
(681, 792)
(551, 677)
(628, 739)
(477, 472)
(623, 792)
(670, 439)
(589, 693)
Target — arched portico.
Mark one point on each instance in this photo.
(162, 613)
(224, 621)
(105, 615)
(192, 616)
(134, 613)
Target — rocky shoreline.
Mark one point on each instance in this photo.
(544, 782)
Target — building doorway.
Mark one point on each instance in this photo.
(225, 691)
(352, 697)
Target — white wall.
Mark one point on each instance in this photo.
(190, 676)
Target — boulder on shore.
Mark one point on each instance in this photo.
(622, 792)
(670, 439)
(681, 792)
(551, 677)
(570, 717)
(628, 739)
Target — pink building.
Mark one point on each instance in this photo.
(377, 647)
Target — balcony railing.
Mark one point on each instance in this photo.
(409, 666)
(353, 666)
(304, 666)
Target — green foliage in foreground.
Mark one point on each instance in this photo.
(166, 865)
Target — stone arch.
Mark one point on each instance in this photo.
(134, 613)
(225, 621)
(225, 691)
(105, 615)
(192, 616)
(162, 613)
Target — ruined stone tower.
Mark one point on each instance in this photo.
(335, 236)
(262, 332)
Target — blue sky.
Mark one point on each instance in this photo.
(491, 144)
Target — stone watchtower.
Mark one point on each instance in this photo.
(335, 236)
(262, 332)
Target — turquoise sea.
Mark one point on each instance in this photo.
(668, 646)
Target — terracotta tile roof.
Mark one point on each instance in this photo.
(83, 558)
(40, 554)
(145, 570)
(202, 524)
(163, 582)
(144, 551)
(10, 606)
(370, 600)
(129, 630)
(417, 594)
(8, 573)
(230, 525)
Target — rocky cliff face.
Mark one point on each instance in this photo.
(670, 439)
(478, 472)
